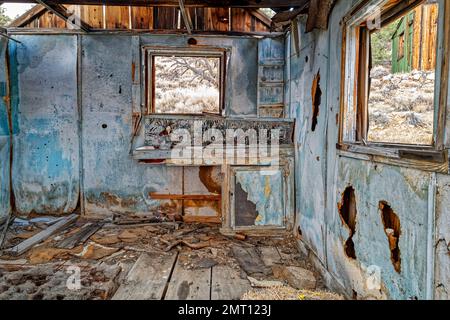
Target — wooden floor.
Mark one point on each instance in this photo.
(161, 277)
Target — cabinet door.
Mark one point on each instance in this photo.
(258, 198)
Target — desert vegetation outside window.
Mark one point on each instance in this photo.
(185, 83)
(402, 78)
(392, 99)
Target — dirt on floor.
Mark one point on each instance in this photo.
(49, 270)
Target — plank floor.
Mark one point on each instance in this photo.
(161, 277)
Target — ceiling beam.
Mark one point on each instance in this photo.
(258, 14)
(62, 12)
(4, 33)
(186, 17)
(28, 16)
(318, 14)
(175, 3)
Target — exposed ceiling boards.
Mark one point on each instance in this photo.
(318, 10)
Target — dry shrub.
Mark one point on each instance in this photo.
(288, 293)
(187, 85)
(401, 106)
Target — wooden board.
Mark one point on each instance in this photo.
(226, 284)
(149, 18)
(240, 20)
(81, 236)
(270, 256)
(41, 236)
(147, 279)
(117, 17)
(51, 20)
(142, 18)
(189, 284)
(217, 19)
(165, 18)
(93, 16)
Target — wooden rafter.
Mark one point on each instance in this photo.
(186, 17)
(62, 12)
(4, 33)
(175, 3)
(261, 16)
(28, 16)
(319, 11)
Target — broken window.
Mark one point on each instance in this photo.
(391, 56)
(185, 82)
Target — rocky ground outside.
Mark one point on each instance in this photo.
(401, 106)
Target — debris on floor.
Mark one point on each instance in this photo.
(187, 261)
(288, 293)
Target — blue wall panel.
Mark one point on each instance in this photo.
(46, 143)
(5, 205)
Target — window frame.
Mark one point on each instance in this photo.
(149, 53)
(353, 119)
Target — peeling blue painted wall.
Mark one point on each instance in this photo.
(322, 175)
(72, 145)
(265, 189)
(46, 141)
(5, 203)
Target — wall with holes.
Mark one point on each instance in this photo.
(5, 204)
(362, 221)
(74, 103)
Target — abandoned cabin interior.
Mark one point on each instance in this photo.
(93, 93)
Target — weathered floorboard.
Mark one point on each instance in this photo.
(227, 284)
(189, 284)
(147, 279)
(249, 260)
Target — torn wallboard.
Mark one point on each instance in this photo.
(259, 198)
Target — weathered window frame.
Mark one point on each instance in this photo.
(149, 72)
(353, 124)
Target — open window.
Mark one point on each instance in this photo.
(391, 89)
(185, 81)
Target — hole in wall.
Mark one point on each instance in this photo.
(306, 59)
(392, 229)
(192, 41)
(104, 126)
(347, 211)
(316, 94)
(355, 295)
(299, 233)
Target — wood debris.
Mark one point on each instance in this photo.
(41, 236)
(81, 236)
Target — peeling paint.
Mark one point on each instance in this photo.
(5, 203)
(265, 191)
(321, 184)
